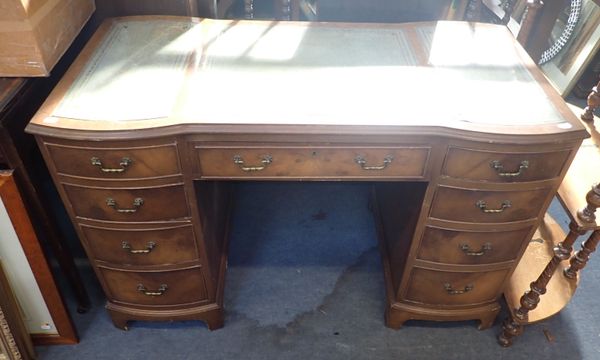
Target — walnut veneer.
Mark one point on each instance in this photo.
(460, 179)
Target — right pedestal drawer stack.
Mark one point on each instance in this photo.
(485, 206)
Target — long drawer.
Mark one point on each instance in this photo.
(487, 206)
(113, 163)
(165, 245)
(480, 165)
(462, 247)
(447, 288)
(155, 288)
(311, 161)
(161, 203)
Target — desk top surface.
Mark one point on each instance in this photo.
(148, 72)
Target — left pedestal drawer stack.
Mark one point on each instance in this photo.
(129, 204)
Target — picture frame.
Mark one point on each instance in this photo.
(15, 343)
(43, 308)
(564, 69)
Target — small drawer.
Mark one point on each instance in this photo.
(317, 162)
(115, 163)
(445, 288)
(487, 206)
(503, 167)
(471, 247)
(141, 247)
(176, 287)
(122, 204)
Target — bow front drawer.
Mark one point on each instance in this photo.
(176, 287)
(114, 163)
(141, 247)
(490, 166)
(311, 162)
(466, 247)
(161, 203)
(487, 206)
(448, 288)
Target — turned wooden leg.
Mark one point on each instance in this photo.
(593, 102)
(580, 259)
(588, 213)
(513, 325)
(249, 9)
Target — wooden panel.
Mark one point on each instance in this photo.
(159, 204)
(429, 287)
(143, 162)
(171, 245)
(471, 247)
(457, 204)
(15, 208)
(305, 161)
(480, 165)
(182, 286)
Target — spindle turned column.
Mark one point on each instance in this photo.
(593, 102)
(587, 215)
(513, 324)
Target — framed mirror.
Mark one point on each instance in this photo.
(573, 42)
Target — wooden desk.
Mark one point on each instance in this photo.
(463, 139)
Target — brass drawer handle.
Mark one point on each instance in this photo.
(452, 291)
(497, 165)
(137, 202)
(125, 162)
(158, 292)
(483, 206)
(149, 247)
(360, 160)
(467, 249)
(266, 160)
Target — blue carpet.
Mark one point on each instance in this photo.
(305, 282)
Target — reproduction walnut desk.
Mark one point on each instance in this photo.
(463, 140)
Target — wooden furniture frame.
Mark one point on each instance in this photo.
(39, 266)
(158, 262)
(15, 343)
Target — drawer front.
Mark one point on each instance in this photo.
(162, 246)
(118, 204)
(115, 163)
(504, 167)
(225, 162)
(486, 206)
(155, 288)
(471, 247)
(443, 288)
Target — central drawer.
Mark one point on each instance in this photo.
(161, 203)
(155, 288)
(141, 247)
(311, 161)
